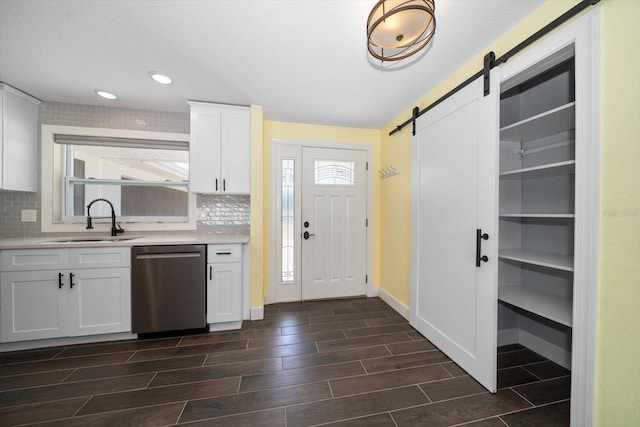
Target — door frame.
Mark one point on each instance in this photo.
(274, 258)
(584, 34)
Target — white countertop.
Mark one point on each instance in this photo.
(133, 239)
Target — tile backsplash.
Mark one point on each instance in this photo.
(11, 205)
(224, 214)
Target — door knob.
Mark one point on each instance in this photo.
(306, 235)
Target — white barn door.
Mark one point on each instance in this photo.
(454, 194)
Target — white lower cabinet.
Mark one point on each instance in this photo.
(100, 302)
(33, 306)
(59, 293)
(224, 286)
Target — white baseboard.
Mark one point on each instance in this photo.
(544, 348)
(269, 299)
(402, 309)
(372, 291)
(508, 336)
(551, 351)
(257, 313)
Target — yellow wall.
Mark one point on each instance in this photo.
(300, 132)
(618, 371)
(395, 193)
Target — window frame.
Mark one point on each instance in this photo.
(53, 181)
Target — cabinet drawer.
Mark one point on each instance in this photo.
(99, 257)
(224, 253)
(34, 259)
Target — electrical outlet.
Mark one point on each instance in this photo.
(28, 215)
(201, 214)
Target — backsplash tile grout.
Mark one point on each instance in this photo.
(224, 213)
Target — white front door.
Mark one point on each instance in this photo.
(454, 194)
(334, 200)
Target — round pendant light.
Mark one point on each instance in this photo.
(397, 29)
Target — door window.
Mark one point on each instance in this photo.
(331, 172)
(288, 220)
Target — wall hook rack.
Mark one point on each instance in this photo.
(387, 172)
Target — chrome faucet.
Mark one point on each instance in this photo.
(114, 230)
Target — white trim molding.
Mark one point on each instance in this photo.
(584, 35)
(282, 147)
(257, 313)
(395, 303)
(51, 193)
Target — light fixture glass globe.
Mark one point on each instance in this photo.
(397, 29)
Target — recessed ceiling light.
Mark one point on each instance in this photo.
(106, 95)
(160, 78)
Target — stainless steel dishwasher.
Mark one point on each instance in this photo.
(168, 285)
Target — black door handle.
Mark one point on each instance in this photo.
(60, 276)
(71, 284)
(479, 238)
(306, 235)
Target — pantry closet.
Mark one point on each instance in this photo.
(505, 208)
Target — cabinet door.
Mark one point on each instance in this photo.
(224, 292)
(454, 186)
(100, 301)
(204, 148)
(33, 305)
(18, 140)
(236, 150)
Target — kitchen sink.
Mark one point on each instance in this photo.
(89, 239)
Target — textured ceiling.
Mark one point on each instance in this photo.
(302, 60)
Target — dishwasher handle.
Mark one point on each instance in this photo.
(165, 255)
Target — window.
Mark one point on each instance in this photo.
(329, 172)
(143, 179)
(288, 220)
(143, 174)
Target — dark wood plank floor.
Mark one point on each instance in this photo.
(350, 362)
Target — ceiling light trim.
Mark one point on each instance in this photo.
(160, 78)
(105, 95)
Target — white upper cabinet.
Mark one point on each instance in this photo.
(219, 148)
(19, 140)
